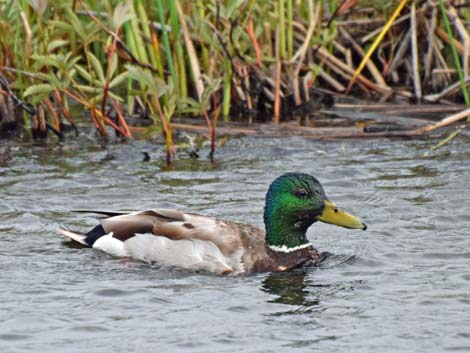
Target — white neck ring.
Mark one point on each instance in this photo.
(285, 249)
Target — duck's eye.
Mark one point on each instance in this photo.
(302, 193)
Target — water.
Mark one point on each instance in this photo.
(401, 286)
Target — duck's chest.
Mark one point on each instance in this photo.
(279, 261)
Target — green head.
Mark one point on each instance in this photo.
(293, 203)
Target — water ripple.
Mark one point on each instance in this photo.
(401, 286)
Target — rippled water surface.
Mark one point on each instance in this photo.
(401, 286)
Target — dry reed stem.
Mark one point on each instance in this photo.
(357, 22)
(340, 47)
(415, 53)
(268, 40)
(299, 56)
(307, 80)
(29, 36)
(339, 72)
(444, 122)
(347, 72)
(399, 20)
(110, 55)
(62, 108)
(370, 64)
(245, 81)
(300, 53)
(437, 45)
(442, 34)
(53, 111)
(392, 109)
(193, 60)
(277, 91)
(376, 42)
(332, 82)
(41, 115)
(463, 32)
(401, 52)
(447, 91)
(431, 27)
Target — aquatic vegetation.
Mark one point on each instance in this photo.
(247, 60)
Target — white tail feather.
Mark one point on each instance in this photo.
(80, 238)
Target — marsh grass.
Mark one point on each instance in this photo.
(244, 59)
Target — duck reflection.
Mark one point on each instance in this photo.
(290, 288)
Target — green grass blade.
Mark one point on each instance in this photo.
(455, 54)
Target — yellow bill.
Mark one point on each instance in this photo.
(334, 215)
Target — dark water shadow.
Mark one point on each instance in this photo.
(299, 288)
(290, 288)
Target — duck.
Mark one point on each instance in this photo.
(167, 237)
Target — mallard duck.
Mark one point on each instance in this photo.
(294, 202)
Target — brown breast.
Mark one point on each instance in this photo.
(277, 261)
(258, 257)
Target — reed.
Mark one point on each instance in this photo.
(455, 54)
(251, 58)
(227, 90)
(166, 43)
